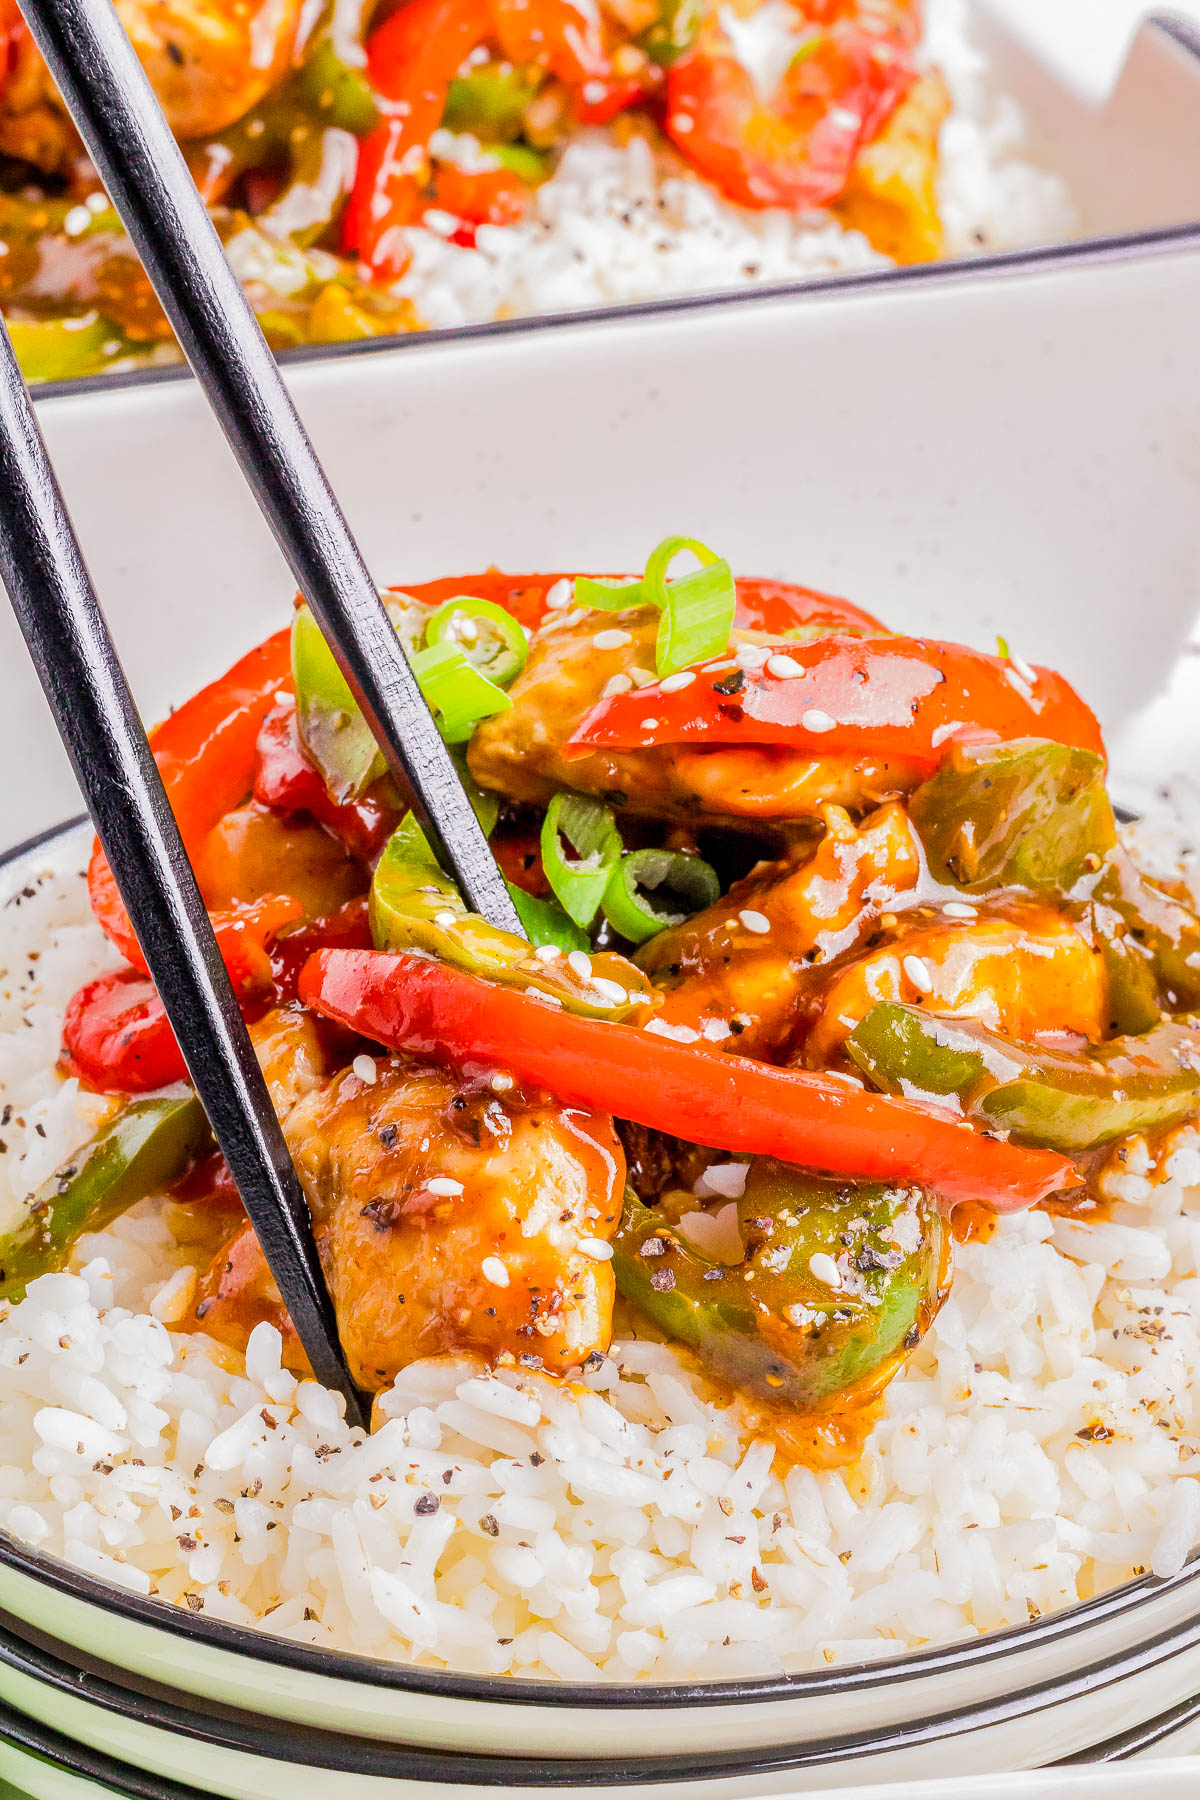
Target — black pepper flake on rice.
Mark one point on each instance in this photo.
(425, 1504)
(536, 1458)
(595, 1361)
(193, 1602)
(490, 1524)
(223, 1505)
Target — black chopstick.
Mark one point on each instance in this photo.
(51, 592)
(130, 143)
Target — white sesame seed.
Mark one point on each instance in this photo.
(560, 595)
(596, 1248)
(445, 919)
(726, 1179)
(715, 1030)
(616, 684)
(97, 202)
(939, 736)
(823, 1267)
(958, 909)
(674, 683)
(816, 720)
(364, 1068)
(785, 667)
(502, 1083)
(751, 656)
(918, 974)
(493, 1270)
(642, 677)
(612, 640)
(444, 1184)
(547, 953)
(1023, 669)
(682, 122)
(77, 221)
(840, 1075)
(612, 991)
(754, 921)
(844, 119)
(679, 1034)
(649, 724)
(1014, 681)
(580, 963)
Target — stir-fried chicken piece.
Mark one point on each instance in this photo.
(519, 753)
(448, 1217)
(1020, 968)
(209, 62)
(891, 193)
(735, 972)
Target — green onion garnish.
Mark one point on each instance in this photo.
(608, 596)
(589, 829)
(697, 609)
(332, 730)
(545, 921)
(488, 636)
(459, 693)
(651, 889)
(1002, 648)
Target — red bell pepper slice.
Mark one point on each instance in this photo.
(205, 754)
(287, 782)
(777, 607)
(910, 697)
(726, 1102)
(117, 1037)
(479, 197)
(411, 61)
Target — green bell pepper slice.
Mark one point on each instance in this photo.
(1028, 814)
(339, 94)
(148, 1145)
(67, 348)
(1060, 1100)
(1158, 928)
(413, 906)
(674, 31)
(489, 102)
(773, 1325)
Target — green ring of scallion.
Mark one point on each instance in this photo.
(509, 639)
(588, 827)
(697, 609)
(641, 881)
(459, 693)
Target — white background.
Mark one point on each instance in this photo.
(1087, 38)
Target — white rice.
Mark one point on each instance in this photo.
(1034, 1451)
(618, 224)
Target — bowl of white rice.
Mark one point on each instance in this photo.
(195, 1581)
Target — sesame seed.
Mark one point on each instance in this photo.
(918, 974)
(493, 1270)
(612, 640)
(364, 1068)
(715, 1030)
(784, 667)
(596, 1249)
(612, 991)
(682, 122)
(726, 1179)
(560, 595)
(816, 720)
(649, 724)
(445, 919)
(674, 683)
(502, 1084)
(77, 221)
(547, 953)
(754, 921)
(679, 1034)
(938, 737)
(642, 677)
(958, 909)
(617, 684)
(844, 119)
(752, 656)
(444, 1184)
(1023, 669)
(823, 1267)
(1014, 681)
(580, 963)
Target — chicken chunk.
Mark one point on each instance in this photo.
(891, 194)
(447, 1217)
(1026, 970)
(736, 971)
(520, 753)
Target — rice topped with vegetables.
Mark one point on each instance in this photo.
(781, 1255)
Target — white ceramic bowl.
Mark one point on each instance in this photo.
(1007, 448)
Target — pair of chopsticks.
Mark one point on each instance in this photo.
(131, 145)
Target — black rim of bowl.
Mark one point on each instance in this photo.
(298, 1744)
(1040, 257)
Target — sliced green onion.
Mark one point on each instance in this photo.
(488, 636)
(545, 921)
(651, 889)
(1002, 648)
(608, 596)
(332, 730)
(697, 609)
(589, 829)
(459, 693)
